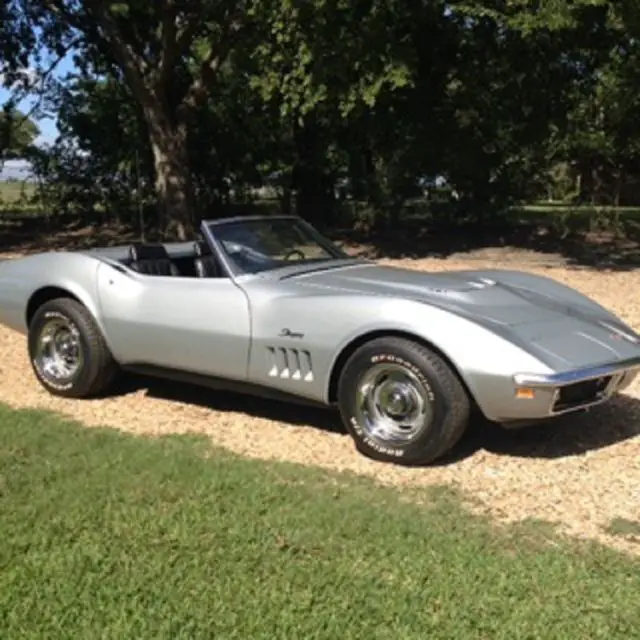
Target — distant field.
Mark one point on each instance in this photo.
(553, 208)
(16, 197)
(14, 191)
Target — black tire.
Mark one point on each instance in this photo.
(94, 368)
(430, 381)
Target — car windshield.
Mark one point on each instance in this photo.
(261, 244)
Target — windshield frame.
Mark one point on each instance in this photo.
(210, 229)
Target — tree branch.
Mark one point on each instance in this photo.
(21, 95)
(57, 7)
(210, 66)
(168, 39)
(176, 39)
(188, 32)
(54, 65)
(133, 65)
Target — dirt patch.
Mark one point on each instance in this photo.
(582, 472)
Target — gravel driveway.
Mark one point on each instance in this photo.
(581, 473)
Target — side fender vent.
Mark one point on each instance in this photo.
(289, 364)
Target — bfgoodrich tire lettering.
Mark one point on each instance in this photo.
(67, 351)
(401, 402)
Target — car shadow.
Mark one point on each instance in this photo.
(562, 437)
(565, 436)
(257, 407)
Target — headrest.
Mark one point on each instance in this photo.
(201, 249)
(148, 252)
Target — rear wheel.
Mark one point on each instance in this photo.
(68, 353)
(401, 402)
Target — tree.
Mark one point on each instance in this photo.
(324, 63)
(168, 53)
(207, 97)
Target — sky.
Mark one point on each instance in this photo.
(48, 130)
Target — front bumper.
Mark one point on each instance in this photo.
(559, 393)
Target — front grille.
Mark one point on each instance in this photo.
(581, 393)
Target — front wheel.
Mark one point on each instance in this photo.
(401, 402)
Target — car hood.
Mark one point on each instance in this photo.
(564, 330)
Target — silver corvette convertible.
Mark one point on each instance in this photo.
(267, 304)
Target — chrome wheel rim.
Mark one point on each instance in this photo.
(393, 405)
(58, 350)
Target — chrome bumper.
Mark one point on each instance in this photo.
(581, 388)
(577, 375)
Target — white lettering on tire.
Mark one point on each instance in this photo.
(357, 428)
(386, 357)
(388, 451)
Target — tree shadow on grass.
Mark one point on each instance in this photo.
(565, 436)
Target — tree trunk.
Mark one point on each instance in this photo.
(617, 193)
(314, 201)
(173, 184)
(587, 181)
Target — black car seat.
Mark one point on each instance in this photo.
(205, 262)
(152, 260)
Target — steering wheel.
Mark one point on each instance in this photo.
(294, 252)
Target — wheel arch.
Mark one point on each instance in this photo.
(47, 293)
(356, 343)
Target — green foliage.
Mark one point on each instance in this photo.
(320, 52)
(17, 134)
(333, 104)
(110, 535)
(17, 41)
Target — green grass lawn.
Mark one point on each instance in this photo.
(109, 536)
